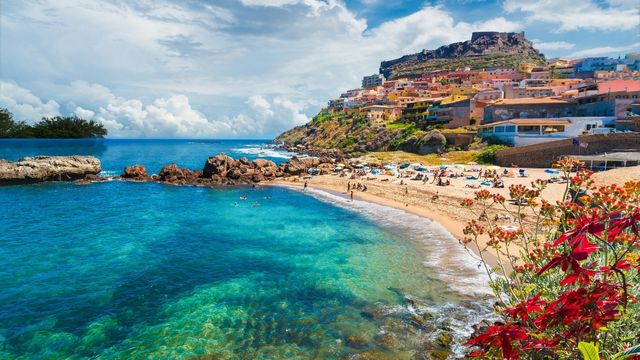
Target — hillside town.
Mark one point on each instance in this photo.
(521, 105)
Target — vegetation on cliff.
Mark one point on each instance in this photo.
(357, 134)
(50, 128)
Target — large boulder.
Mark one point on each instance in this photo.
(297, 166)
(264, 163)
(135, 172)
(176, 175)
(326, 168)
(47, 168)
(217, 165)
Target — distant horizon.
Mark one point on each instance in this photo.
(245, 68)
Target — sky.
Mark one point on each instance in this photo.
(253, 68)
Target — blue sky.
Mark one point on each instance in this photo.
(253, 68)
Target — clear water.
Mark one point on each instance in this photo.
(121, 270)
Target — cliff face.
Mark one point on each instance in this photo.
(485, 49)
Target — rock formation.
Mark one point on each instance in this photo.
(30, 170)
(223, 170)
(135, 172)
(485, 48)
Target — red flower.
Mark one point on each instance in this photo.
(571, 261)
(526, 307)
(577, 237)
(618, 225)
(501, 336)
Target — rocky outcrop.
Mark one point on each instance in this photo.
(47, 168)
(135, 172)
(174, 174)
(487, 49)
(297, 166)
(222, 170)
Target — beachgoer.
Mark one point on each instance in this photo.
(364, 188)
(351, 195)
(406, 190)
(305, 185)
(349, 186)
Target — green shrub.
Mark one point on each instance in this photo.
(488, 154)
(322, 117)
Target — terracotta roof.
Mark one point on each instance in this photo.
(618, 85)
(543, 122)
(525, 101)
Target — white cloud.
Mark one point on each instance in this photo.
(24, 105)
(169, 68)
(552, 45)
(576, 15)
(605, 50)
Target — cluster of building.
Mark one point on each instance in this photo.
(521, 105)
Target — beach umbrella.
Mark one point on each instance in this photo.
(552, 171)
(509, 228)
(493, 167)
(404, 166)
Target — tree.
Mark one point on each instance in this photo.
(55, 127)
(7, 125)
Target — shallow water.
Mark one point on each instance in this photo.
(137, 270)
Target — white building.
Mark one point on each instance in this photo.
(521, 132)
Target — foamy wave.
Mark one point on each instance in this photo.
(265, 152)
(455, 266)
(109, 173)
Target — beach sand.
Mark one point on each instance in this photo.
(418, 198)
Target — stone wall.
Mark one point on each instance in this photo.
(543, 155)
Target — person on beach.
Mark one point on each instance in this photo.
(305, 186)
(351, 195)
(364, 188)
(349, 186)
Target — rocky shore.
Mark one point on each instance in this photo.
(219, 170)
(223, 170)
(37, 169)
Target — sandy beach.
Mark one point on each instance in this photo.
(418, 198)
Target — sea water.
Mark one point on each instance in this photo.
(121, 270)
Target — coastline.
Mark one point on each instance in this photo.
(451, 222)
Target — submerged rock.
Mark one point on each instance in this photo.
(368, 355)
(357, 342)
(387, 340)
(36, 169)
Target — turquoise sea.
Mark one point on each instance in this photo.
(121, 270)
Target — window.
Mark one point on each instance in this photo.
(529, 129)
(510, 128)
(499, 129)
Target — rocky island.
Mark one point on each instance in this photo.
(29, 170)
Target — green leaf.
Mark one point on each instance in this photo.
(634, 350)
(589, 351)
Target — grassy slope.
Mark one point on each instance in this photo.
(452, 157)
